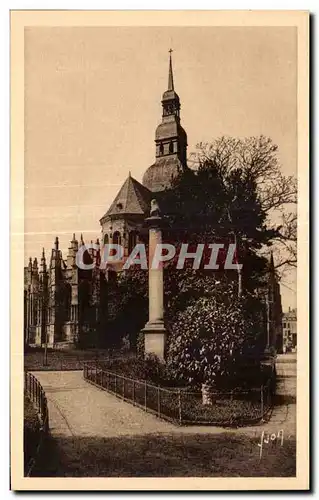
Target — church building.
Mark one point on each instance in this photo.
(65, 306)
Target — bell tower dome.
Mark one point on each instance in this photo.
(170, 141)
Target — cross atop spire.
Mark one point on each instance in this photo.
(170, 72)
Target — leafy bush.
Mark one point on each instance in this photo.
(217, 341)
(149, 368)
(31, 433)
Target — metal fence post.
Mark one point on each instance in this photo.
(38, 395)
(123, 388)
(262, 400)
(158, 402)
(269, 393)
(179, 406)
(133, 391)
(145, 394)
(115, 383)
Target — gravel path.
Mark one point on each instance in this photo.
(76, 408)
(96, 434)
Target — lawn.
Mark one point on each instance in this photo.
(171, 455)
(61, 359)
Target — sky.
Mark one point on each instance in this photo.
(93, 101)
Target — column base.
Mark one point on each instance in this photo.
(155, 335)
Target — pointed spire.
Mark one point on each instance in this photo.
(56, 243)
(35, 264)
(81, 239)
(43, 261)
(30, 264)
(73, 244)
(170, 72)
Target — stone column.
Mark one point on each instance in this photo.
(154, 330)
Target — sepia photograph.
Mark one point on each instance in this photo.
(160, 177)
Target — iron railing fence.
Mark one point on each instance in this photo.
(34, 391)
(182, 406)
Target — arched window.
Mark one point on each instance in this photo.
(171, 147)
(35, 312)
(132, 239)
(68, 301)
(106, 239)
(161, 148)
(116, 238)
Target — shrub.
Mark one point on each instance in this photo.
(149, 368)
(216, 341)
(31, 434)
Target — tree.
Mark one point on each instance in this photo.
(221, 204)
(254, 160)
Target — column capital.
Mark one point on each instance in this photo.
(155, 222)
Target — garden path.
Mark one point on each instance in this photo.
(76, 408)
(96, 434)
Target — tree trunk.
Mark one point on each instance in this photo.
(207, 396)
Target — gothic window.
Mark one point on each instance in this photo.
(161, 148)
(116, 238)
(132, 239)
(171, 147)
(67, 301)
(35, 312)
(39, 311)
(106, 239)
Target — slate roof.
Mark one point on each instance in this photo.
(132, 199)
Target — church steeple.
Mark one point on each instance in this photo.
(170, 72)
(170, 101)
(170, 140)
